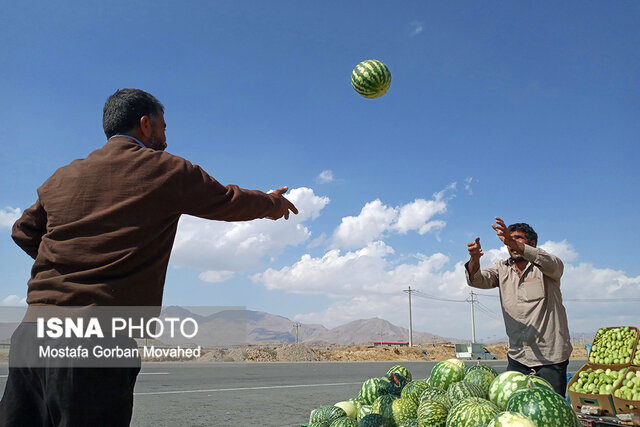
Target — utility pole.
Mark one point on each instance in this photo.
(472, 300)
(410, 318)
(296, 325)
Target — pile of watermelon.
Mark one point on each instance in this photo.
(452, 396)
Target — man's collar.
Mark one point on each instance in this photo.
(131, 137)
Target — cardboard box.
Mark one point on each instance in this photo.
(618, 366)
(602, 401)
(624, 406)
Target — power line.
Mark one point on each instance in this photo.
(428, 296)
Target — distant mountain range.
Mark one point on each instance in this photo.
(256, 327)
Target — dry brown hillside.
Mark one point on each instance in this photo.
(352, 353)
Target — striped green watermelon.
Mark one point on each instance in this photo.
(371, 78)
(480, 366)
(363, 410)
(401, 370)
(369, 391)
(344, 422)
(325, 415)
(404, 409)
(511, 419)
(431, 413)
(505, 384)
(383, 405)
(480, 377)
(445, 373)
(545, 407)
(471, 411)
(414, 389)
(413, 422)
(462, 389)
(436, 394)
(371, 420)
(459, 363)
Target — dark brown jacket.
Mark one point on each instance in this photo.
(102, 229)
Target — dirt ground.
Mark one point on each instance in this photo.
(353, 353)
(433, 352)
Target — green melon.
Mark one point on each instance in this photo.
(404, 409)
(400, 370)
(505, 384)
(371, 78)
(462, 389)
(545, 407)
(511, 419)
(371, 420)
(414, 389)
(344, 422)
(369, 391)
(480, 366)
(459, 363)
(325, 415)
(471, 411)
(383, 405)
(431, 413)
(413, 422)
(481, 378)
(437, 395)
(363, 410)
(445, 373)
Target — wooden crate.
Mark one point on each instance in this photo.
(624, 406)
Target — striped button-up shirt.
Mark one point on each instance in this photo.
(535, 319)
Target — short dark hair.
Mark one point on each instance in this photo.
(124, 109)
(529, 232)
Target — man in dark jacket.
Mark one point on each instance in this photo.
(101, 234)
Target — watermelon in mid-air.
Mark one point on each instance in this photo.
(371, 78)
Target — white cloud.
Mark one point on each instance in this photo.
(562, 250)
(416, 215)
(240, 246)
(356, 231)
(325, 176)
(14, 301)
(467, 185)
(369, 283)
(376, 220)
(213, 276)
(8, 216)
(416, 28)
(332, 273)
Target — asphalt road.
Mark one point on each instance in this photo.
(251, 394)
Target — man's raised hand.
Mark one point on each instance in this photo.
(475, 250)
(503, 232)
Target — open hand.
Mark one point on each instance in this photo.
(503, 232)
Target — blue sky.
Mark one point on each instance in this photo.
(528, 112)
